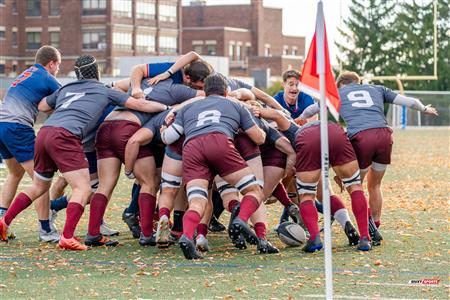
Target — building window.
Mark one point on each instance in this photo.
(2, 33)
(248, 51)
(122, 40)
(145, 43)
(2, 2)
(14, 7)
(14, 38)
(267, 50)
(231, 50)
(294, 51)
(33, 7)
(211, 50)
(198, 49)
(238, 52)
(54, 39)
(145, 9)
(14, 68)
(168, 44)
(2, 69)
(285, 50)
(33, 40)
(122, 8)
(167, 13)
(94, 40)
(53, 7)
(94, 7)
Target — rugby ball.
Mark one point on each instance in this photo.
(291, 234)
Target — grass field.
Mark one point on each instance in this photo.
(415, 228)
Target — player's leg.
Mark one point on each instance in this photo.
(108, 174)
(374, 179)
(202, 229)
(145, 171)
(259, 221)
(197, 191)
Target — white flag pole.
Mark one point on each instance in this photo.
(320, 29)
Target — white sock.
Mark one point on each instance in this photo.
(342, 216)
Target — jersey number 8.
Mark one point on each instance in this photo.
(208, 116)
(361, 98)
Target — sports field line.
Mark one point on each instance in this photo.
(225, 265)
(357, 297)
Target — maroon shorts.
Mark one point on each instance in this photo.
(373, 145)
(307, 146)
(112, 138)
(175, 150)
(58, 149)
(245, 146)
(207, 155)
(272, 157)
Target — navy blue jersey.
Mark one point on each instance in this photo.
(155, 69)
(303, 101)
(154, 124)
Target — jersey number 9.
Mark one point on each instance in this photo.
(360, 98)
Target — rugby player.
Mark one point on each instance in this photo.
(77, 107)
(18, 112)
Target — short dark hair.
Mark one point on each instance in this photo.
(86, 67)
(347, 77)
(198, 70)
(46, 54)
(291, 73)
(216, 84)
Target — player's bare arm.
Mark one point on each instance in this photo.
(266, 98)
(282, 122)
(142, 137)
(283, 145)
(145, 106)
(137, 74)
(256, 134)
(44, 107)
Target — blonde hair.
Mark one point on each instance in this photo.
(347, 77)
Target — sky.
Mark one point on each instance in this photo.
(299, 17)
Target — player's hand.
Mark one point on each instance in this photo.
(256, 111)
(162, 128)
(137, 93)
(300, 121)
(158, 78)
(290, 163)
(339, 183)
(169, 118)
(429, 110)
(130, 175)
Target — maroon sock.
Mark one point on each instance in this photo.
(191, 219)
(232, 204)
(97, 211)
(19, 204)
(359, 208)
(147, 204)
(260, 230)
(377, 223)
(74, 211)
(310, 217)
(336, 204)
(249, 205)
(202, 229)
(280, 193)
(164, 211)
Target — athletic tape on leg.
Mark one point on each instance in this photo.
(196, 192)
(224, 187)
(170, 181)
(306, 188)
(378, 167)
(246, 181)
(354, 179)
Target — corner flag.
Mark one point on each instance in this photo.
(309, 81)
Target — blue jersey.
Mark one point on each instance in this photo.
(20, 104)
(303, 101)
(155, 69)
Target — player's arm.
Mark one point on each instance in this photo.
(242, 94)
(142, 137)
(121, 85)
(138, 72)
(266, 98)
(180, 63)
(44, 107)
(414, 104)
(145, 105)
(283, 123)
(310, 111)
(283, 145)
(171, 134)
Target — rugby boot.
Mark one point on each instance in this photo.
(147, 241)
(265, 247)
(351, 233)
(202, 243)
(313, 245)
(240, 243)
(374, 233)
(364, 244)
(132, 222)
(240, 227)
(99, 240)
(163, 232)
(71, 244)
(106, 230)
(3, 230)
(174, 237)
(48, 237)
(294, 212)
(215, 225)
(188, 248)
(233, 214)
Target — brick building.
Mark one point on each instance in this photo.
(106, 29)
(250, 35)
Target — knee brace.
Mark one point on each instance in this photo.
(224, 187)
(306, 188)
(196, 192)
(170, 181)
(246, 181)
(354, 179)
(378, 167)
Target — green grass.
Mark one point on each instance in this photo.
(415, 227)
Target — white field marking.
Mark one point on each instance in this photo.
(357, 297)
